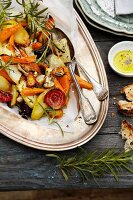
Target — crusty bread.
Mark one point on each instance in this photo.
(128, 92)
(127, 134)
(125, 108)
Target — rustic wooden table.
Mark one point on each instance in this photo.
(23, 168)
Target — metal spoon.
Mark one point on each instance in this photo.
(87, 110)
(100, 91)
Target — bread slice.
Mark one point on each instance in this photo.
(125, 108)
(127, 134)
(128, 92)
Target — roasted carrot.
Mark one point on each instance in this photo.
(83, 83)
(21, 60)
(5, 75)
(11, 43)
(24, 23)
(8, 32)
(58, 85)
(31, 81)
(55, 113)
(31, 91)
(45, 34)
(31, 67)
(65, 82)
(23, 53)
(43, 66)
(67, 72)
(36, 45)
(50, 23)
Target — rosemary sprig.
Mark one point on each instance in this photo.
(51, 119)
(44, 54)
(4, 10)
(6, 65)
(33, 16)
(95, 164)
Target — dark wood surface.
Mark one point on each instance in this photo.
(23, 168)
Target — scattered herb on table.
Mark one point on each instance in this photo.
(95, 164)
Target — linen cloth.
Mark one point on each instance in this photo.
(123, 7)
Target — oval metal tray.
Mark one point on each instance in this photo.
(37, 136)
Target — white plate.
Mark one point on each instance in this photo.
(99, 26)
(101, 12)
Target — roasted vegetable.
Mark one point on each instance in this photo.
(24, 110)
(4, 73)
(55, 99)
(40, 79)
(43, 36)
(5, 50)
(13, 73)
(5, 96)
(40, 51)
(49, 82)
(36, 45)
(9, 24)
(21, 60)
(83, 83)
(31, 91)
(7, 32)
(31, 81)
(55, 113)
(61, 49)
(22, 37)
(14, 95)
(29, 100)
(55, 61)
(4, 84)
(39, 107)
(58, 71)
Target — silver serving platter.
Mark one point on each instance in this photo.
(36, 135)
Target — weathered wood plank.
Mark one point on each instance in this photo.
(25, 168)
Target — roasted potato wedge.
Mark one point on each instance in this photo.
(39, 107)
(22, 37)
(14, 95)
(4, 84)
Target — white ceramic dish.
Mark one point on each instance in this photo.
(99, 26)
(125, 45)
(102, 12)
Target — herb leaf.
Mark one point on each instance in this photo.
(95, 164)
(4, 8)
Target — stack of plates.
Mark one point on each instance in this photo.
(101, 14)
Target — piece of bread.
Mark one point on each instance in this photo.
(125, 108)
(127, 134)
(128, 92)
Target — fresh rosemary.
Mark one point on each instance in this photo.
(5, 10)
(51, 119)
(33, 16)
(95, 164)
(6, 65)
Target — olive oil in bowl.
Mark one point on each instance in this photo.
(120, 58)
(123, 61)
